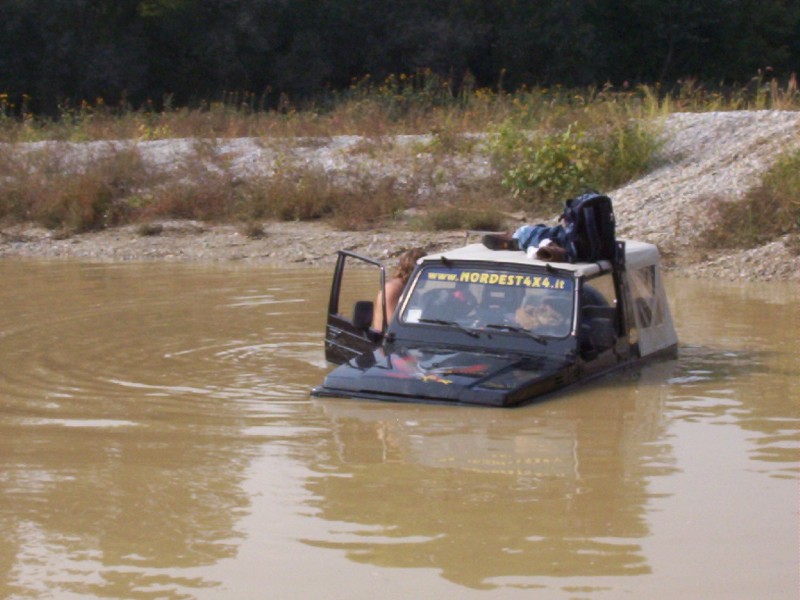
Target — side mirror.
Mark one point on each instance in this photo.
(363, 312)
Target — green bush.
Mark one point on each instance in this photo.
(622, 153)
(553, 165)
(542, 169)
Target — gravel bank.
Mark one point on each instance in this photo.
(190, 241)
(722, 153)
(706, 153)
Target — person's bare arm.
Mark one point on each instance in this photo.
(394, 288)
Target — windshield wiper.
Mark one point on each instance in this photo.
(469, 332)
(515, 329)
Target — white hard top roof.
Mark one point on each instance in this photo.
(637, 254)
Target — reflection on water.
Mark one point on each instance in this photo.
(493, 497)
(157, 440)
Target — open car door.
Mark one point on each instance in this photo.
(348, 332)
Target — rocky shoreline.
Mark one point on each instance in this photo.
(705, 153)
(278, 243)
(314, 244)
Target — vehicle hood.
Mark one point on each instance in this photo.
(430, 374)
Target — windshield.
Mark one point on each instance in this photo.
(500, 298)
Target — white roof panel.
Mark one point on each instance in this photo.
(636, 254)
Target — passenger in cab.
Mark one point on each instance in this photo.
(395, 286)
(548, 316)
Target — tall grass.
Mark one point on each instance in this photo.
(402, 104)
(769, 211)
(41, 187)
(545, 144)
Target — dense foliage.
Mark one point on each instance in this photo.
(185, 52)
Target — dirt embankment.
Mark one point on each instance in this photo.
(721, 154)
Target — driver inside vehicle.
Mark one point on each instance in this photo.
(449, 303)
(549, 316)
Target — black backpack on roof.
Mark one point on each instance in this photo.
(589, 228)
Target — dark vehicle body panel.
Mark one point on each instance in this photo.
(442, 374)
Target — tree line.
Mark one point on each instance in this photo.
(131, 52)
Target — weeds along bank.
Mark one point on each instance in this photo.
(717, 191)
(530, 157)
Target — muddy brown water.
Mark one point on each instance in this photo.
(157, 440)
